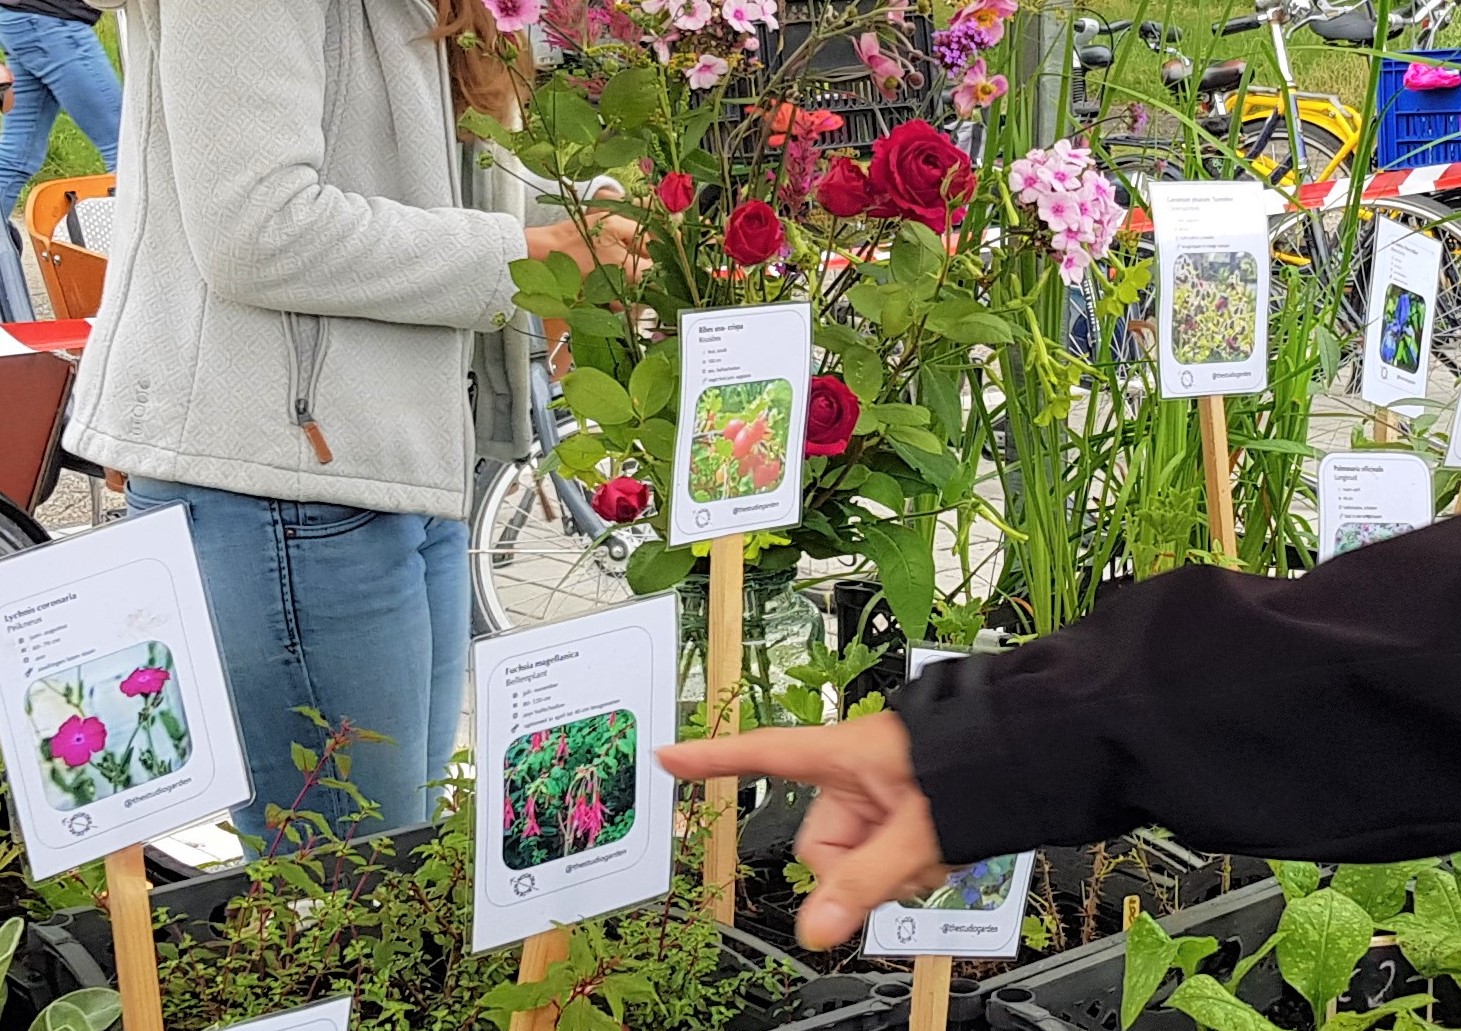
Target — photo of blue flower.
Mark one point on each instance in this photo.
(982, 887)
(1404, 321)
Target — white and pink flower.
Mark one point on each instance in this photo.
(514, 15)
(707, 72)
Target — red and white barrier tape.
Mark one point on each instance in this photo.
(55, 335)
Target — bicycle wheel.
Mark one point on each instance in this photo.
(1337, 406)
(1321, 144)
(530, 562)
(18, 531)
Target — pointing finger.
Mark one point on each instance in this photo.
(808, 755)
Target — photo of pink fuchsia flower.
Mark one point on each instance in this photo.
(707, 72)
(78, 740)
(978, 90)
(1074, 203)
(108, 725)
(575, 796)
(514, 15)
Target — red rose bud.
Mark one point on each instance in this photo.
(832, 412)
(919, 174)
(676, 191)
(753, 233)
(621, 500)
(845, 190)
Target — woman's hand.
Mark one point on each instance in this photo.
(615, 241)
(868, 836)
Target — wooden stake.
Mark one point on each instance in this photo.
(723, 714)
(931, 975)
(1212, 417)
(130, 907)
(1387, 427)
(540, 952)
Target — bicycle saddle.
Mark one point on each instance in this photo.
(1094, 58)
(1219, 77)
(1356, 27)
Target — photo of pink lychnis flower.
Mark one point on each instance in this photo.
(78, 740)
(707, 72)
(514, 15)
(978, 89)
(575, 796)
(108, 725)
(145, 681)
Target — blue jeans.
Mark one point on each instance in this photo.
(358, 614)
(57, 64)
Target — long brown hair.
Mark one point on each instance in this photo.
(481, 79)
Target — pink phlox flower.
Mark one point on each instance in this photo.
(146, 680)
(1073, 265)
(693, 16)
(514, 15)
(1059, 211)
(707, 72)
(750, 44)
(78, 739)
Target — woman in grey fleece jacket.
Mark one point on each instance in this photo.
(290, 314)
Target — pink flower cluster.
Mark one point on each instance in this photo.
(79, 738)
(587, 818)
(712, 31)
(1074, 201)
(975, 27)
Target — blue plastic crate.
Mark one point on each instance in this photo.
(1417, 127)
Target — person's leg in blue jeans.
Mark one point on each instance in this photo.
(57, 64)
(360, 615)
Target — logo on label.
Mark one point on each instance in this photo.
(702, 517)
(906, 929)
(524, 884)
(79, 824)
(1186, 379)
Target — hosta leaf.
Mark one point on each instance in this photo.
(1326, 933)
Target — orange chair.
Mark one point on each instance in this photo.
(72, 269)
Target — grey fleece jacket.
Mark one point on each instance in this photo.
(294, 287)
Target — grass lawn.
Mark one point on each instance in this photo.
(1318, 67)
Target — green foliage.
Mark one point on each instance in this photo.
(90, 1009)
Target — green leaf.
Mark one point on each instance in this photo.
(618, 151)
(603, 285)
(867, 301)
(565, 274)
(805, 704)
(863, 371)
(1296, 879)
(938, 469)
(567, 117)
(1433, 950)
(631, 98)
(10, 934)
(905, 567)
(883, 489)
(966, 321)
(1192, 951)
(1149, 955)
(657, 437)
(598, 397)
(651, 385)
(1437, 899)
(313, 715)
(596, 322)
(535, 277)
(1412, 1022)
(834, 337)
(1325, 934)
(868, 704)
(899, 414)
(918, 253)
(654, 567)
(582, 1015)
(1247, 963)
(1208, 1003)
(61, 1015)
(581, 451)
(545, 305)
(939, 390)
(1368, 1019)
(917, 437)
(305, 759)
(1379, 889)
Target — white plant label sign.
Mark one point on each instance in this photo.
(118, 725)
(1212, 294)
(331, 1015)
(744, 378)
(1401, 314)
(1453, 446)
(1371, 496)
(977, 915)
(574, 817)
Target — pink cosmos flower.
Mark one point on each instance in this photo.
(978, 89)
(514, 15)
(693, 16)
(508, 813)
(146, 680)
(707, 72)
(888, 74)
(78, 740)
(741, 15)
(530, 820)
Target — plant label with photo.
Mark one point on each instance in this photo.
(1371, 496)
(1402, 311)
(331, 1015)
(118, 725)
(574, 817)
(977, 914)
(744, 375)
(1212, 297)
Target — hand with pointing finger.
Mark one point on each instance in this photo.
(868, 836)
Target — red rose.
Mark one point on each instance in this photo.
(676, 191)
(621, 500)
(844, 190)
(753, 233)
(832, 411)
(919, 173)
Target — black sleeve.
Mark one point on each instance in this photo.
(1317, 718)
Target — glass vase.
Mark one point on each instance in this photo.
(779, 626)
